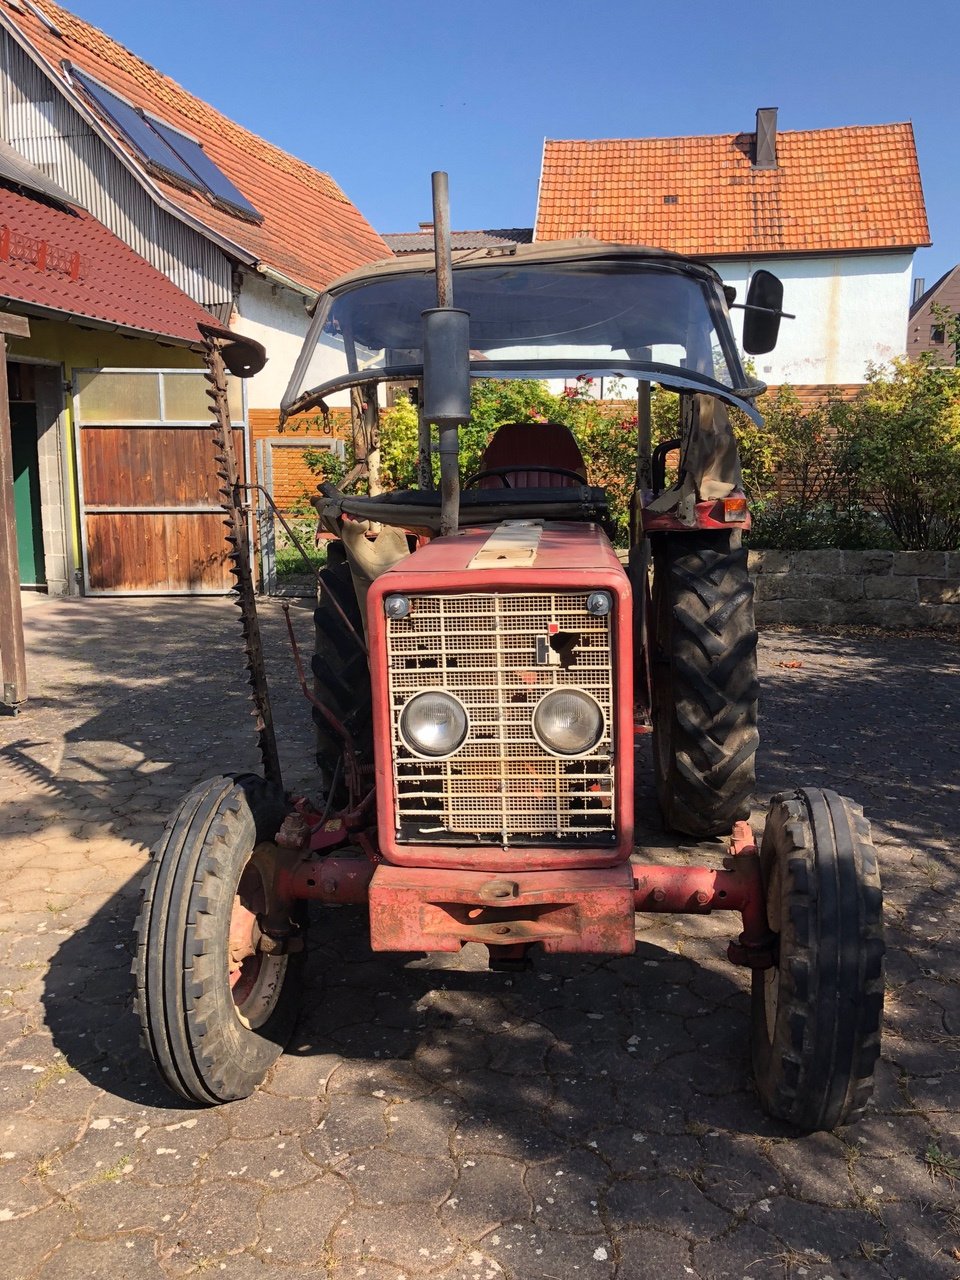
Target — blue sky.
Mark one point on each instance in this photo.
(380, 93)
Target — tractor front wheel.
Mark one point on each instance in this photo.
(704, 681)
(217, 999)
(817, 1013)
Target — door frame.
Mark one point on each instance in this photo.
(57, 512)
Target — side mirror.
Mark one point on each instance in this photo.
(764, 309)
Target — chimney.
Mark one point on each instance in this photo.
(426, 226)
(765, 155)
(917, 290)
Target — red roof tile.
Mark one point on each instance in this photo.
(113, 284)
(310, 233)
(833, 190)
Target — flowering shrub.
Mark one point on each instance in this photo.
(881, 469)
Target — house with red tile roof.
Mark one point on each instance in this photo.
(114, 483)
(250, 232)
(242, 231)
(836, 213)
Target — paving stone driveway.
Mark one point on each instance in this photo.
(582, 1120)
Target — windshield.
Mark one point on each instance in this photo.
(526, 319)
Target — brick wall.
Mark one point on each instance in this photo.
(292, 478)
(858, 588)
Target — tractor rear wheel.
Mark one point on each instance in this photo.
(816, 1015)
(341, 675)
(216, 1005)
(704, 677)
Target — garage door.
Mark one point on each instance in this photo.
(150, 514)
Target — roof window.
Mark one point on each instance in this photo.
(174, 155)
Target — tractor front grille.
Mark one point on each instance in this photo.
(494, 652)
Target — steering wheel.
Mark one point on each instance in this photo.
(501, 473)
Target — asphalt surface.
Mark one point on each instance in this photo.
(583, 1119)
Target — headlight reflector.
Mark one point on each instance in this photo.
(396, 606)
(433, 723)
(568, 722)
(599, 603)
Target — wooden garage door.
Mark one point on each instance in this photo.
(150, 513)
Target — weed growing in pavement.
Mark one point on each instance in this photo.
(941, 1165)
(55, 1070)
(115, 1171)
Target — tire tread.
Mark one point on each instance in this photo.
(706, 689)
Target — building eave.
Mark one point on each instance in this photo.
(15, 306)
(309, 295)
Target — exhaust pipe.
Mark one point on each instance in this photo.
(446, 363)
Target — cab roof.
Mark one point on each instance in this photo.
(582, 249)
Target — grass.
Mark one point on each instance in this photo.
(941, 1165)
(115, 1171)
(289, 561)
(53, 1071)
(873, 1252)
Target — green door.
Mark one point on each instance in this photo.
(26, 494)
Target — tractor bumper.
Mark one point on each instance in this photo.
(426, 909)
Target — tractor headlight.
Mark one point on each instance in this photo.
(396, 607)
(433, 723)
(568, 722)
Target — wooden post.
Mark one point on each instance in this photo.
(13, 668)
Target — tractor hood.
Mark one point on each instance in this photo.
(556, 310)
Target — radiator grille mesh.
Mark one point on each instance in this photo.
(501, 787)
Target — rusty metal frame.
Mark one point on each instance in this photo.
(587, 910)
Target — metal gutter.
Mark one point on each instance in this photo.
(14, 306)
(277, 277)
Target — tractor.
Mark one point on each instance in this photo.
(485, 663)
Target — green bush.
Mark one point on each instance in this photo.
(791, 526)
(881, 470)
(903, 444)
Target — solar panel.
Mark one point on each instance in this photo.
(163, 146)
(212, 178)
(135, 128)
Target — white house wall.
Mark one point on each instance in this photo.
(277, 318)
(39, 122)
(850, 311)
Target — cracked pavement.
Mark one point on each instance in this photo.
(586, 1118)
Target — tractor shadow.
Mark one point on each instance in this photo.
(131, 703)
(574, 1046)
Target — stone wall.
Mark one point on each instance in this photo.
(857, 588)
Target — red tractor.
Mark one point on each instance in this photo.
(484, 661)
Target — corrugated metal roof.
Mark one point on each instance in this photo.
(833, 190)
(422, 240)
(19, 172)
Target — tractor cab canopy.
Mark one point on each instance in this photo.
(543, 310)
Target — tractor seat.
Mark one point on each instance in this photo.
(529, 449)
